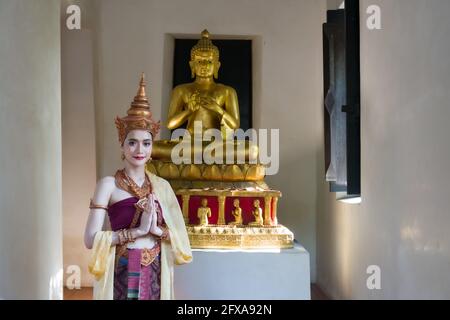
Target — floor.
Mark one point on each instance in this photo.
(317, 293)
(86, 294)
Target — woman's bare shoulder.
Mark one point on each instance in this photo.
(106, 183)
(103, 190)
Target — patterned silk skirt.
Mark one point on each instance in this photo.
(137, 279)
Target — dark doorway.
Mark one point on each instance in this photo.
(342, 99)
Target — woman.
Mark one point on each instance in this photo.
(135, 260)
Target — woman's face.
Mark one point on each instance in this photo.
(137, 147)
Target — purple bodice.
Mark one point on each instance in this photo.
(122, 212)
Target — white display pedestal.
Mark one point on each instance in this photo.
(245, 274)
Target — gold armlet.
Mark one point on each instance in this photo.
(97, 206)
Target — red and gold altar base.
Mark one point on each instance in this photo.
(223, 232)
(229, 215)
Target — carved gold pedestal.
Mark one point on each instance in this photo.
(234, 237)
(205, 172)
(223, 189)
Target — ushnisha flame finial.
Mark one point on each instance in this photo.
(205, 34)
(205, 44)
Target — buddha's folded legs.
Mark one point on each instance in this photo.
(242, 151)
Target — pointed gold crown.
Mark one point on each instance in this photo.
(138, 116)
(205, 44)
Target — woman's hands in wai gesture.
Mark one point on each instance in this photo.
(149, 218)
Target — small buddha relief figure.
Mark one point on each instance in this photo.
(237, 213)
(257, 214)
(203, 213)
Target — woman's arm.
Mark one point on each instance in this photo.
(96, 218)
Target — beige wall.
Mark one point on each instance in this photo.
(402, 224)
(30, 157)
(78, 136)
(335, 4)
(136, 36)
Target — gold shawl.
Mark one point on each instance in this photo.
(176, 251)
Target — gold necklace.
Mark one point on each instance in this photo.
(128, 184)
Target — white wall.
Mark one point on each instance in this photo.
(136, 36)
(402, 224)
(30, 157)
(78, 136)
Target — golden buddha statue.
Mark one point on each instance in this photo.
(203, 213)
(215, 107)
(237, 213)
(257, 214)
(214, 104)
(204, 101)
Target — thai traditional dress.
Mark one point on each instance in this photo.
(136, 272)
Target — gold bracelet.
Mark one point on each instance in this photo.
(165, 234)
(130, 236)
(125, 236)
(119, 235)
(97, 206)
(122, 237)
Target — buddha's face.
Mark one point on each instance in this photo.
(256, 203)
(137, 147)
(204, 64)
(204, 202)
(236, 203)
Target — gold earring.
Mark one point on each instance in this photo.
(216, 69)
(191, 65)
(123, 156)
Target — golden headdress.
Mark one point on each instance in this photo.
(205, 44)
(138, 116)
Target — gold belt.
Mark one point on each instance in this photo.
(149, 255)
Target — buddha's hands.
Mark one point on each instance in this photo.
(197, 101)
(193, 106)
(194, 102)
(210, 103)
